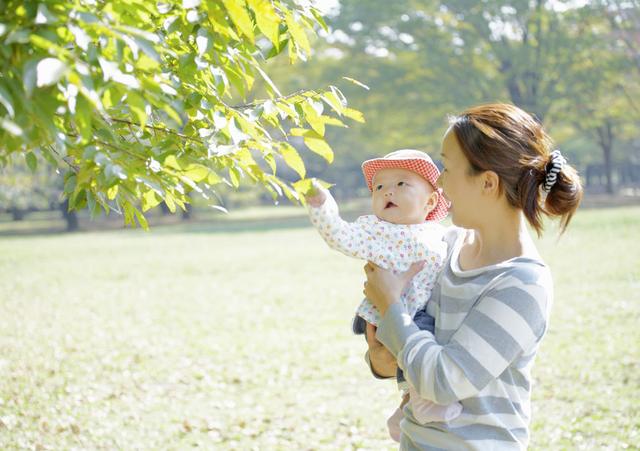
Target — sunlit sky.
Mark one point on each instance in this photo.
(326, 6)
(332, 6)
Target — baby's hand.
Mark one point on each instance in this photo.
(316, 195)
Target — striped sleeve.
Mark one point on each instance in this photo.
(506, 322)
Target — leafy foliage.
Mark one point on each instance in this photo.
(139, 98)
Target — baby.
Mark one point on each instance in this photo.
(403, 229)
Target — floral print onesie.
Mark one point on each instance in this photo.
(391, 246)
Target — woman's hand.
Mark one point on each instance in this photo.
(383, 363)
(383, 287)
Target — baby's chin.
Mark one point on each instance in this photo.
(395, 217)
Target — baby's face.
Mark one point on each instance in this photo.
(401, 196)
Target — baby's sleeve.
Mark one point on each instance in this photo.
(349, 238)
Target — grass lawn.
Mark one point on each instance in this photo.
(232, 338)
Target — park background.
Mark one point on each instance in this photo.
(231, 330)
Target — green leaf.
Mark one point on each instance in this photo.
(333, 101)
(268, 158)
(240, 17)
(213, 178)
(197, 172)
(234, 176)
(172, 162)
(315, 142)
(112, 192)
(328, 120)
(292, 158)
(78, 199)
(150, 200)
(356, 82)
(18, 36)
(32, 162)
(267, 19)
(354, 114)
(137, 105)
(148, 48)
(29, 77)
(276, 50)
(303, 187)
(6, 101)
(312, 117)
(83, 118)
(320, 19)
(297, 32)
(91, 203)
(69, 184)
(169, 200)
(173, 114)
(141, 219)
(147, 64)
(127, 210)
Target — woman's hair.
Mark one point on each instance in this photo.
(510, 142)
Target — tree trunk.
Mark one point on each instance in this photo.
(605, 139)
(17, 213)
(164, 208)
(186, 214)
(70, 216)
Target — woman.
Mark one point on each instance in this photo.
(493, 297)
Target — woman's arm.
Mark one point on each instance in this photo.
(506, 322)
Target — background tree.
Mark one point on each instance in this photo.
(424, 60)
(597, 85)
(23, 190)
(26, 186)
(153, 101)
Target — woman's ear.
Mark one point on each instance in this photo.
(490, 183)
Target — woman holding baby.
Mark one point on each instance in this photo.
(492, 298)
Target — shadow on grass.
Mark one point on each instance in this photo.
(159, 225)
(44, 224)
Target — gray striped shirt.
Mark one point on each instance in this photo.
(489, 323)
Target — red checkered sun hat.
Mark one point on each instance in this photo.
(414, 161)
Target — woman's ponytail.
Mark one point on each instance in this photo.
(529, 192)
(564, 196)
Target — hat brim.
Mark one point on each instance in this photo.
(421, 166)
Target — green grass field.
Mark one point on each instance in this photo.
(200, 335)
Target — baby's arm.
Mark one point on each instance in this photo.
(349, 238)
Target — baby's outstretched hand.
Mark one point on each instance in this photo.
(316, 196)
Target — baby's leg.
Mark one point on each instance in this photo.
(393, 422)
(425, 411)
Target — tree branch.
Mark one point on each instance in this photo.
(66, 159)
(160, 129)
(253, 104)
